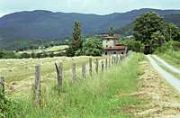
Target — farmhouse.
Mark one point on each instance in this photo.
(111, 45)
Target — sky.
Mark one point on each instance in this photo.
(85, 6)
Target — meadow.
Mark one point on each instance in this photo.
(54, 49)
(19, 74)
(102, 95)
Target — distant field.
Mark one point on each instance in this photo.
(50, 49)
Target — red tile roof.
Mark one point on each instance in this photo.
(116, 48)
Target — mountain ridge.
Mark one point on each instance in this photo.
(47, 25)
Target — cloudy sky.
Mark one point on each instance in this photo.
(85, 6)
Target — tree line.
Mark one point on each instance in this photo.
(151, 30)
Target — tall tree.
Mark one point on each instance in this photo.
(76, 42)
(146, 25)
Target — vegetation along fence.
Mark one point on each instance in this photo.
(86, 70)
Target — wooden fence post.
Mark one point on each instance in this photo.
(74, 71)
(90, 66)
(116, 58)
(84, 71)
(111, 60)
(97, 66)
(59, 71)
(102, 66)
(106, 63)
(119, 58)
(37, 89)
(2, 88)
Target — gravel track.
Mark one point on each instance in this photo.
(173, 81)
(172, 68)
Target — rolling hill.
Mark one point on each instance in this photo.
(30, 26)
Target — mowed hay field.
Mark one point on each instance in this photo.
(19, 74)
(54, 49)
(102, 95)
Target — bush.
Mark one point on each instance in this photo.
(164, 48)
(8, 108)
(70, 52)
(7, 54)
(25, 55)
(91, 47)
(134, 45)
(176, 45)
(168, 47)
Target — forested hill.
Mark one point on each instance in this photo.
(173, 18)
(46, 25)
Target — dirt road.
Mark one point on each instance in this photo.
(174, 81)
(159, 99)
(172, 68)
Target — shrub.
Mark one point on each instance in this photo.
(91, 47)
(8, 108)
(7, 54)
(134, 45)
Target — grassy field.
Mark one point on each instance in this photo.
(171, 54)
(100, 96)
(172, 57)
(50, 49)
(23, 69)
(19, 73)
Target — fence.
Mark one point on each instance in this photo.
(86, 69)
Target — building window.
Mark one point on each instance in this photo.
(114, 52)
(105, 53)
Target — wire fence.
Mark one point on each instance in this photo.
(62, 70)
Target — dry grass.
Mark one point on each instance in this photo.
(50, 49)
(160, 100)
(19, 73)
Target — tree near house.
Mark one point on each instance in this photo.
(172, 32)
(146, 25)
(76, 42)
(92, 47)
(157, 39)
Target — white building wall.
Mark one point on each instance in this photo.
(109, 43)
